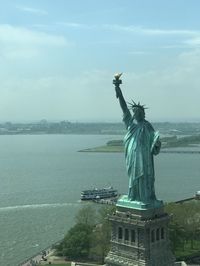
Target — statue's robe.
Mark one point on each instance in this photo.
(141, 143)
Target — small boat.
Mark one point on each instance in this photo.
(95, 194)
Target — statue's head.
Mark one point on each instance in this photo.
(138, 111)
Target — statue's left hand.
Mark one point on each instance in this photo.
(157, 147)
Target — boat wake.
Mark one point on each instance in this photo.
(36, 206)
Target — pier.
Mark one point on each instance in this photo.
(184, 200)
(108, 201)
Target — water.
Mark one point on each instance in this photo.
(42, 176)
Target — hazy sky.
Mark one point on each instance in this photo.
(58, 58)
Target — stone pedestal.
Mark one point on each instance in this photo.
(139, 235)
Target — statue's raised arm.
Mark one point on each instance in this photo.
(117, 81)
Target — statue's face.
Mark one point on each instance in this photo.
(138, 114)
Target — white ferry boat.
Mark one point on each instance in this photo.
(197, 195)
(95, 194)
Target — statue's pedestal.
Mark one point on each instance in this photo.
(139, 235)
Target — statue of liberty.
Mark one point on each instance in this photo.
(141, 143)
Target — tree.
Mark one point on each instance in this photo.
(101, 234)
(90, 237)
(77, 241)
(87, 215)
(184, 226)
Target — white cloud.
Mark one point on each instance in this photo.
(20, 53)
(75, 25)
(58, 97)
(176, 46)
(20, 35)
(170, 93)
(137, 53)
(194, 42)
(130, 29)
(20, 42)
(149, 31)
(32, 10)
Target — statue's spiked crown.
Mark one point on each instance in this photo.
(133, 106)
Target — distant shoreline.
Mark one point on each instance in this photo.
(101, 150)
(169, 145)
(65, 127)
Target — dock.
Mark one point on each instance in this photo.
(184, 200)
(109, 201)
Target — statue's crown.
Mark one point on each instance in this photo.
(135, 105)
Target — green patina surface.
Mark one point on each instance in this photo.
(123, 201)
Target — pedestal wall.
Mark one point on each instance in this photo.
(139, 237)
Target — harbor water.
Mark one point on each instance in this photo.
(41, 177)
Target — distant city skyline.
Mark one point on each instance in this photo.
(58, 59)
